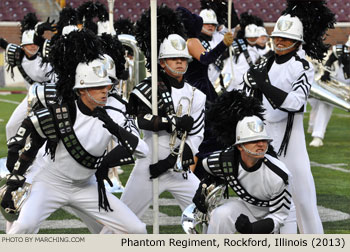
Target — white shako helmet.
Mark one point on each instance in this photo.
(251, 31)
(68, 29)
(261, 31)
(348, 42)
(103, 27)
(250, 129)
(208, 16)
(174, 46)
(92, 74)
(288, 27)
(27, 37)
(110, 65)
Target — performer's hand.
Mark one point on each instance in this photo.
(183, 123)
(259, 75)
(162, 166)
(7, 201)
(45, 26)
(243, 225)
(325, 77)
(255, 77)
(127, 139)
(228, 38)
(109, 124)
(199, 199)
(3, 43)
(102, 174)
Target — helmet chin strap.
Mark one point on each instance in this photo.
(283, 49)
(252, 42)
(94, 100)
(31, 52)
(174, 71)
(207, 31)
(254, 153)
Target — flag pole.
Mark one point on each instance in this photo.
(229, 6)
(154, 66)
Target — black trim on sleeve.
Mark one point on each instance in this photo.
(273, 94)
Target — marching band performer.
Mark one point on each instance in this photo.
(197, 73)
(244, 48)
(249, 167)
(180, 111)
(67, 174)
(28, 59)
(283, 82)
(214, 15)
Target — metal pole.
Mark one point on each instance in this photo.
(229, 29)
(154, 65)
(111, 15)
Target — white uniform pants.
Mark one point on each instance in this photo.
(17, 117)
(223, 218)
(319, 117)
(298, 163)
(47, 196)
(138, 192)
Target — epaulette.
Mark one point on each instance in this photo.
(41, 95)
(238, 46)
(46, 49)
(144, 92)
(338, 50)
(221, 163)
(276, 170)
(14, 55)
(306, 64)
(44, 124)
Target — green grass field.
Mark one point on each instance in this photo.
(332, 186)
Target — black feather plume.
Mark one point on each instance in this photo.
(88, 11)
(168, 22)
(114, 48)
(229, 108)
(220, 7)
(67, 52)
(28, 22)
(316, 18)
(247, 19)
(68, 16)
(124, 26)
(192, 22)
(102, 12)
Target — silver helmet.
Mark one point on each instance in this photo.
(27, 37)
(174, 46)
(208, 16)
(250, 129)
(251, 31)
(288, 27)
(92, 74)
